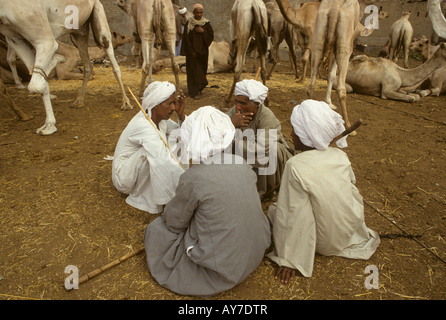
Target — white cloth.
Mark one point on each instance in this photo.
(319, 210)
(205, 132)
(182, 10)
(157, 92)
(316, 124)
(143, 166)
(252, 89)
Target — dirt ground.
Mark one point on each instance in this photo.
(58, 206)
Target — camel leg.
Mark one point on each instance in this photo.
(11, 58)
(291, 49)
(147, 54)
(102, 32)
(174, 64)
(126, 105)
(276, 53)
(242, 47)
(317, 51)
(330, 82)
(81, 42)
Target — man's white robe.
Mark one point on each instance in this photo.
(319, 210)
(143, 167)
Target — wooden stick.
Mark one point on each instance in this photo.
(258, 73)
(405, 233)
(151, 122)
(95, 272)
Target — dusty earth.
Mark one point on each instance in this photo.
(58, 206)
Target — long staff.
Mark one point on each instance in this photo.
(153, 125)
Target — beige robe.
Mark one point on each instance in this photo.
(319, 210)
(266, 120)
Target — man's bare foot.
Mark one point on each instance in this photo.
(285, 274)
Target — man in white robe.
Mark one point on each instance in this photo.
(213, 233)
(144, 166)
(319, 209)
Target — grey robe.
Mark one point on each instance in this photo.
(212, 234)
(266, 120)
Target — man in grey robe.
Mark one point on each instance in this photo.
(213, 233)
(261, 137)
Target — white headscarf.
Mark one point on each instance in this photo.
(182, 10)
(252, 89)
(316, 124)
(157, 92)
(205, 132)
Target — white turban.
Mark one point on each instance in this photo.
(205, 132)
(252, 89)
(316, 124)
(157, 92)
(182, 10)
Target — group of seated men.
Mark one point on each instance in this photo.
(207, 173)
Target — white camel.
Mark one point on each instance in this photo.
(249, 19)
(400, 37)
(153, 21)
(384, 78)
(280, 30)
(437, 18)
(31, 28)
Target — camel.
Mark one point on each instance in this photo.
(337, 26)
(153, 21)
(423, 46)
(66, 70)
(280, 30)
(36, 25)
(436, 82)
(249, 19)
(400, 36)
(384, 78)
(437, 18)
(303, 20)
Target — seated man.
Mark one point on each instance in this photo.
(264, 140)
(143, 164)
(319, 209)
(213, 233)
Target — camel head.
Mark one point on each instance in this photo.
(119, 39)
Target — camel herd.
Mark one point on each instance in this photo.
(324, 31)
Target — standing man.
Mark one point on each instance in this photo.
(319, 209)
(143, 164)
(213, 233)
(265, 144)
(197, 38)
(180, 22)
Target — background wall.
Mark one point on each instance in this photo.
(219, 13)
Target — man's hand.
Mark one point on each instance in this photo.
(285, 274)
(199, 29)
(179, 106)
(241, 119)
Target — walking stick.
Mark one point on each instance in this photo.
(110, 265)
